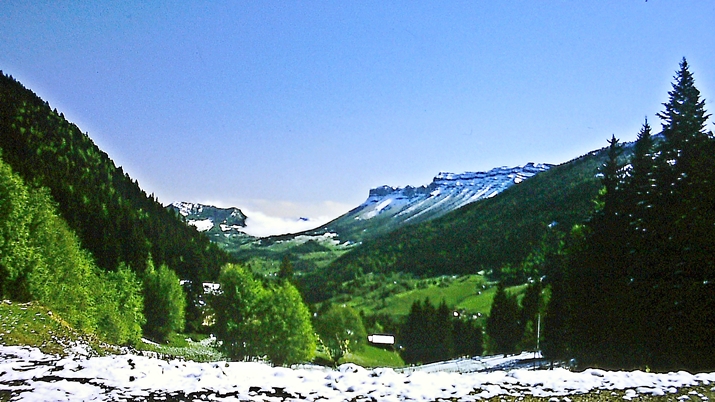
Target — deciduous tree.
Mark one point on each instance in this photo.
(164, 302)
(341, 330)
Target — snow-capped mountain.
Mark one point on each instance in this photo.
(209, 218)
(388, 208)
(447, 192)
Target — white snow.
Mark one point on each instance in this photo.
(448, 191)
(33, 376)
(202, 225)
(378, 208)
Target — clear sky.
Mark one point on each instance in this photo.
(298, 108)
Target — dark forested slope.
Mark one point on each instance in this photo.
(113, 217)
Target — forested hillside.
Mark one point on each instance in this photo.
(41, 259)
(112, 216)
(492, 235)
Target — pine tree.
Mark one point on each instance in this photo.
(503, 325)
(639, 287)
(597, 277)
(557, 334)
(286, 269)
(441, 328)
(468, 338)
(413, 334)
(686, 245)
(638, 192)
(684, 117)
(530, 315)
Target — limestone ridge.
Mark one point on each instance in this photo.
(388, 208)
(448, 191)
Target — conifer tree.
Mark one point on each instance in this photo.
(286, 269)
(441, 325)
(530, 315)
(639, 289)
(557, 334)
(414, 334)
(467, 338)
(503, 325)
(639, 193)
(686, 245)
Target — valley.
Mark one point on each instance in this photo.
(472, 264)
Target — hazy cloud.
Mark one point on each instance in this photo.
(266, 218)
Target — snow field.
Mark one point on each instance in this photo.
(29, 375)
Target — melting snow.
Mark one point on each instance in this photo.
(30, 375)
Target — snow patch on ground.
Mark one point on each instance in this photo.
(31, 375)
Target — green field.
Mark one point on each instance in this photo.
(469, 294)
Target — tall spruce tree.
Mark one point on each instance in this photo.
(503, 324)
(640, 286)
(686, 246)
(640, 175)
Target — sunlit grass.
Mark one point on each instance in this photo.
(371, 356)
(29, 324)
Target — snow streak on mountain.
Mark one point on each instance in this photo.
(447, 192)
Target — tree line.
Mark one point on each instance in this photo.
(42, 259)
(636, 287)
(433, 333)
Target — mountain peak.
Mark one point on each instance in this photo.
(208, 217)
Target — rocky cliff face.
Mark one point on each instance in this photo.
(388, 208)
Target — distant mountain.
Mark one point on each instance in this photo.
(206, 217)
(502, 227)
(386, 209)
(224, 226)
(389, 208)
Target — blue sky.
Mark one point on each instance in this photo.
(298, 108)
